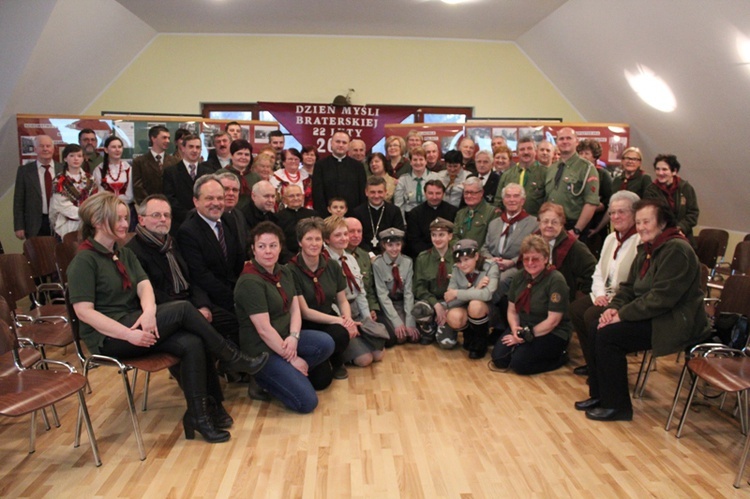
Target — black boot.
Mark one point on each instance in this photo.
(478, 329)
(426, 332)
(221, 418)
(198, 417)
(255, 392)
(232, 359)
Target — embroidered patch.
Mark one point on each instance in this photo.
(555, 298)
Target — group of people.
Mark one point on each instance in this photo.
(287, 269)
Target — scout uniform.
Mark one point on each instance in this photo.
(571, 184)
(396, 302)
(685, 201)
(471, 223)
(365, 267)
(638, 183)
(410, 190)
(532, 179)
(432, 274)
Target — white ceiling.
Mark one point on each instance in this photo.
(478, 19)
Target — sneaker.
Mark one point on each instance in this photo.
(340, 373)
(446, 337)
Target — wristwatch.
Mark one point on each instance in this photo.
(294, 334)
(576, 231)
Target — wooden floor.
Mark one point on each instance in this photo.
(423, 423)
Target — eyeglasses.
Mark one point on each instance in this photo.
(628, 158)
(473, 192)
(157, 216)
(533, 259)
(550, 221)
(618, 212)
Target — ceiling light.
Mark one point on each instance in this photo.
(652, 89)
(743, 48)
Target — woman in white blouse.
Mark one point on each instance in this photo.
(71, 188)
(116, 176)
(613, 267)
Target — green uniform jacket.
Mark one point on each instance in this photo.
(533, 184)
(425, 276)
(578, 267)
(549, 294)
(669, 294)
(686, 203)
(579, 185)
(365, 267)
(638, 183)
(472, 224)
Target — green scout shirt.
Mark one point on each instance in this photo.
(638, 183)
(93, 277)
(332, 280)
(425, 275)
(669, 294)
(579, 185)
(577, 268)
(254, 295)
(549, 294)
(473, 223)
(365, 267)
(533, 183)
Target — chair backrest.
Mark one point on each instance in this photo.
(5, 293)
(75, 325)
(712, 244)
(741, 258)
(18, 275)
(40, 251)
(64, 254)
(735, 297)
(8, 340)
(705, 273)
(747, 237)
(72, 238)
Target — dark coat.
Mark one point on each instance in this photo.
(27, 198)
(392, 218)
(178, 187)
(418, 221)
(338, 178)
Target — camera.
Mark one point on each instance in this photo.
(526, 334)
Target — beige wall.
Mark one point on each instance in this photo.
(497, 79)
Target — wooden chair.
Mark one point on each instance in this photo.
(740, 264)
(28, 356)
(712, 244)
(24, 391)
(40, 251)
(734, 299)
(19, 280)
(64, 254)
(149, 364)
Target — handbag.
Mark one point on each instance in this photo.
(732, 329)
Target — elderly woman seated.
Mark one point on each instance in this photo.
(659, 307)
(539, 329)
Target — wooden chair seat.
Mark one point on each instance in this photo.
(29, 357)
(728, 374)
(45, 333)
(27, 391)
(153, 363)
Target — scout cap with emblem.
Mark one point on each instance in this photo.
(441, 224)
(389, 235)
(465, 247)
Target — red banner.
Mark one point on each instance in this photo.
(314, 124)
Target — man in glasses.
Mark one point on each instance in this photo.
(472, 220)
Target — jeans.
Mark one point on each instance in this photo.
(286, 383)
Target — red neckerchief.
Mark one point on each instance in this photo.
(350, 280)
(472, 277)
(669, 190)
(510, 221)
(244, 186)
(667, 235)
(625, 179)
(252, 268)
(621, 240)
(320, 295)
(88, 245)
(523, 301)
(561, 250)
(398, 283)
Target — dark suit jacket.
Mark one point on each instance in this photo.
(147, 176)
(490, 187)
(200, 249)
(178, 187)
(418, 222)
(212, 162)
(287, 220)
(391, 218)
(157, 268)
(27, 198)
(342, 179)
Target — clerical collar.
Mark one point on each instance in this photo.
(340, 158)
(375, 207)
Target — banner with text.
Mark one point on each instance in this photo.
(314, 124)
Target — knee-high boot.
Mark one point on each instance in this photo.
(478, 328)
(232, 358)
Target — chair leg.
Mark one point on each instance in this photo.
(743, 458)
(133, 415)
(145, 391)
(689, 401)
(645, 377)
(45, 419)
(676, 397)
(640, 373)
(83, 410)
(77, 439)
(55, 419)
(32, 433)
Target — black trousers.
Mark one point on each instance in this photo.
(541, 355)
(184, 333)
(340, 338)
(608, 369)
(226, 323)
(585, 317)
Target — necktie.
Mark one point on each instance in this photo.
(419, 198)
(522, 180)
(158, 160)
(222, 241)
(192, 171)
(559, 174)
(47, 183)
(442, 274)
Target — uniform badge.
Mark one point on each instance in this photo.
(555, 298)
